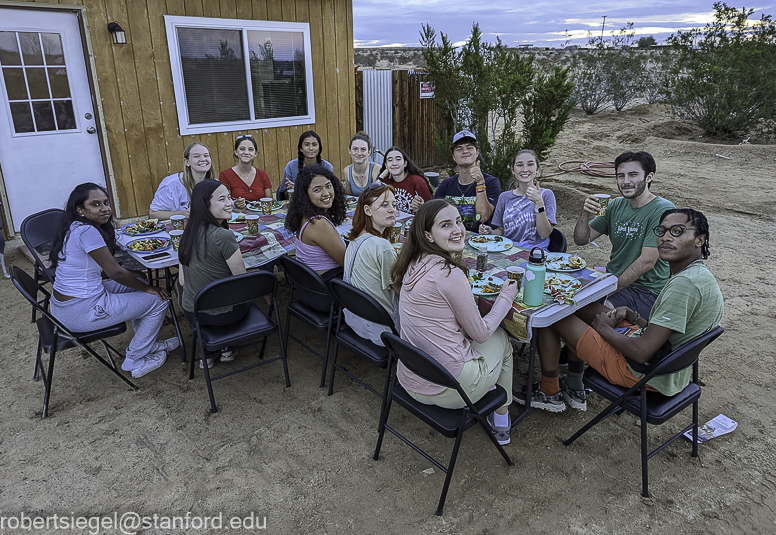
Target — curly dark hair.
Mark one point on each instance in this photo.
(76, 200)
(697, 220)
(302, 207)
(417, 244)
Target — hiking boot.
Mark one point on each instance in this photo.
(540, 400)
(501, 433)
(576, 399)
(149, 363)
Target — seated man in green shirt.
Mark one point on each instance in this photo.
(689, 304)
(628, 221)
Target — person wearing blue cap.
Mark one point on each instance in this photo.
(474, 193)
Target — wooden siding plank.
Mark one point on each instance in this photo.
(140, 22)
(274, 10)
(102, 47)
(344, 73)
(259, 10)
(211, 8)
(330, 131)
(194, 8)
(229, 9)
(351, 69)
(282, 141)
(272, 160)
(317, 54)
(173, 141)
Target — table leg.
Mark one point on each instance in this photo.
(169, 281)
(529, 385)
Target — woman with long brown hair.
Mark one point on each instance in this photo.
(411, 185)
(440, 317)
(370, 256)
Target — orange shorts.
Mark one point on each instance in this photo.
(605, 359)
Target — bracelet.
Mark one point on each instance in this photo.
(481, 189)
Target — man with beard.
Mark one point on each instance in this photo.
(628, 222)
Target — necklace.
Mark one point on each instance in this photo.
(460, 189)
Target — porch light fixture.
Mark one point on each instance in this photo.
(118, 34)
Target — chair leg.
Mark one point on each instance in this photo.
(48, 379)
(328, 344)
(600, 416)
(449, 476)
(388, 399)
(38, 364)
(644, 446)
(171, 309)
(193, 355)
(500, 448)
(107, 352)
(695, 429)
(283, 357)
(213, 408)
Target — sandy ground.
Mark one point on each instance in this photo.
(304, 460)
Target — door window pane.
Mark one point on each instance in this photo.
(14, 84)
(52, 48)
(30, 43)
(44, 116)
(213, 75)
(58, 81)
(278, 74)
(36, 81)
(22, 117)
(63, 109)
(9, 49)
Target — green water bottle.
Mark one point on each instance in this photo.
(533, 287)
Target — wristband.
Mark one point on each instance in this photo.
(481, 189)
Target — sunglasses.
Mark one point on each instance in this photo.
(244, 136)
(675, 230)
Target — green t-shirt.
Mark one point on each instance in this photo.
(204, 269)
(690, 304)
(630, 229)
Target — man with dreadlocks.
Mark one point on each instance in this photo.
(689, 304)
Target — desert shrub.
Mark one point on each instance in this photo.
(646, 42)
(724, 77)
(487, 88)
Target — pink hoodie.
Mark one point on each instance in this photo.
(435, 305)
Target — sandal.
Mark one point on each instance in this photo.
(210, 363)
(228, 356)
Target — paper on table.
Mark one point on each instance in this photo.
(716, 427)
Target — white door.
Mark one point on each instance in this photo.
(48, 137)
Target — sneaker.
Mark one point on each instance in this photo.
(210, 363)
(576, 399)
(130, 364)
(228, 356)
(149, 363)
(501, 433)
(540, 400)
(168, 345)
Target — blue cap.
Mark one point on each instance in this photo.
(464, 134)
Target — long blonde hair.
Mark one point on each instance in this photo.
(187, 179)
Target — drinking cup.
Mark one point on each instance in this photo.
(253, 224)
(289, 194)
(396, 232)
(177, 221)
(175, 238)
(266, 205)
(457, 256)
(603, 200)
(516, 274)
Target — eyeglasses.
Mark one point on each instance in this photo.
(675, 230)
(244, 136)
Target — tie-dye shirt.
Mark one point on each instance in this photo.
(517, 215)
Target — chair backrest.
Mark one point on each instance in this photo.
(303, 276)
(360, 303)
(557, 241)
(236, 290)
(39, 229)
(419, 363)
(681, 357)
(29, 289)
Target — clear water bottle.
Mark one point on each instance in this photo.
(535, 271)
(482, 258)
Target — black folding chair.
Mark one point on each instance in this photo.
(365, 306)
(255, 326)
(449, 422)
(652, 407)
(321, 318)
(37, 230)
(54, 336)
(557, 241)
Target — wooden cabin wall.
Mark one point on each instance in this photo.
(138, 101)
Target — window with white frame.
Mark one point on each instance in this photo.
(240, 74)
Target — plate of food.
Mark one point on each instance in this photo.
(253, 206)
(148, 245)
(496, 244)
(485, 285)
(237, 236)
(564, 262)
(141, 228)
(562, 282)
(350, 200)
(237, 217)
